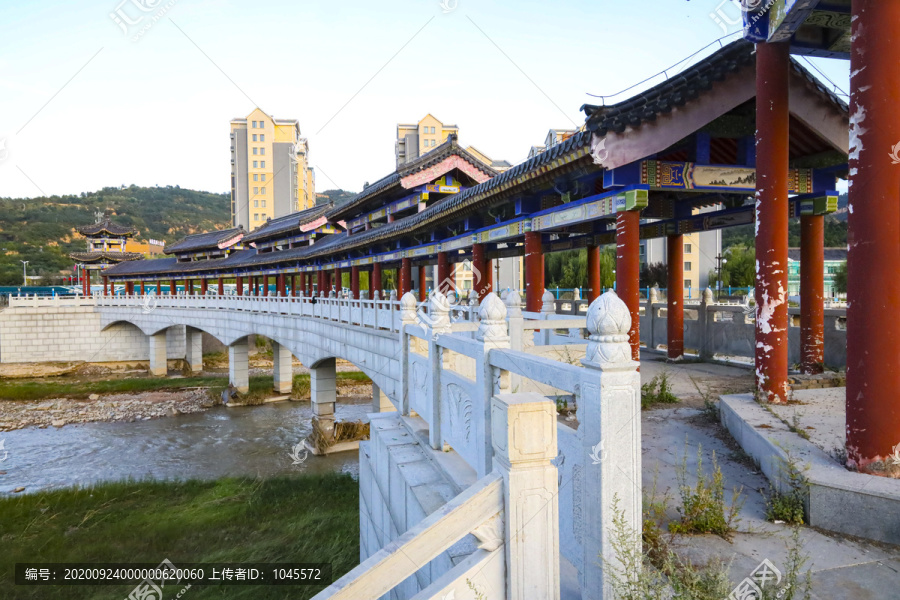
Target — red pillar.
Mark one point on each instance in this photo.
(444, 275)
(772, 135)
(354, 282)
(105, 283)
(405, 276)
(873, 288)
(265, 285)
(280, 289)
(628, 266)
(173, 289)
(812, 293)
(375, 281)
(338, 280)
(255, 286)
(326, 278)
(85, 282)
(593, 267)
(158, 284)
(190, 286)
(239, 284)
(204, 286)
(675, 296)
(142, 287)
(534, 271)
(423, 283)
(481, 267)
(221, 287)
(489, 276)
(302, 283)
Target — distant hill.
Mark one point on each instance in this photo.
(42, 230)
(337, 196)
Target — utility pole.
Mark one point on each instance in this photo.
(24, 272)
(720, 260)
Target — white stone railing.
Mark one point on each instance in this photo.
(374, 314)
(452, 382)
(34, 301)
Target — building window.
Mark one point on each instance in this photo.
(254, 137)
(263, 177)
(433, 143)
(255, 149)
(262, 137)
(256, 204)
(687, 266)
(262, 164)
(256, 216)
(256, 190)
(687, 283)
(263, 191)
(262, 151)
(254, 124)
(255, 164)
(687, 248)
(255, 177)
(264, 202)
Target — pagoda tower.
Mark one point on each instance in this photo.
(105, 247)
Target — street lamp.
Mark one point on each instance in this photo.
(24, 272)
(720, 260)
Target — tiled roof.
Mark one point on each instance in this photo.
(439, 153)
(202, 241)
(681, 89)
(284, 225)
(100, 256)
(108, 227)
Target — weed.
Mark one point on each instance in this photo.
(794, 426)
(657, 391)
(703, 507)
(710, 410)
(788, 505)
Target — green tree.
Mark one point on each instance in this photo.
(738, 269)
(840, 279)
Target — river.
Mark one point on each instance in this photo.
(242, 441)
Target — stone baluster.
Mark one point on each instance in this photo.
(473, 305)
(517, 334)
(704, 322)
(548, 307)
(493, 332)
(439, 316)
(524, 434)
(408, 304)
(609, 431)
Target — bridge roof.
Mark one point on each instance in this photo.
(678, 109)
(204, 241)
(393, 181)
(283, 226)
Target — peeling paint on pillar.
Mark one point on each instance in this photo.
(534, 271)
(812, 293)
(873, 290)
(772, 142)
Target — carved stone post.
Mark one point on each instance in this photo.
(548, 307)
(283, 375)
(439, 315)
(238, 365)
(516, 321)
(492, 333)
(524, 433)
(609, 407)
(704, 323)
(407, 317)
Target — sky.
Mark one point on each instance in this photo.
(88, 102)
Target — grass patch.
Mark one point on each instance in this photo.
(41, 390)
(657, 391)
(307, 518)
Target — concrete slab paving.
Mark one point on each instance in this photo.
(821, 413)
(841, 567)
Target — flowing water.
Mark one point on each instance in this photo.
(241, 441)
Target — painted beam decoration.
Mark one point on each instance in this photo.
(433, 172)
(813, 27)
(823, 205)
(663, 175)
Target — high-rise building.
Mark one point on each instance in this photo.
(270, 172)
(415, 139)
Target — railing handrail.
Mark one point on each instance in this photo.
(396, 562)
